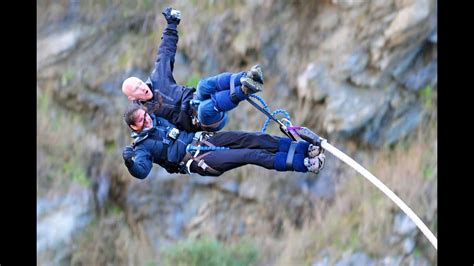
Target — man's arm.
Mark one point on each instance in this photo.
(164, 63)
(141, 166)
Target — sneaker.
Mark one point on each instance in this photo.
(315, 164)
(256, 73)
(250, 86)
(314, 150)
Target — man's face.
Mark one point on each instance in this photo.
(136, 89)
(141, 120)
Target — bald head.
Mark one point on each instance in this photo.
(135, 89)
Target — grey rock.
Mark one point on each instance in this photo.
(314, 83)
(403, 225)
(407, 23)
(405, 61)
(355, 259)
(231, 186)
(328, 19)
(323, 184)
(416, 261)
(255, 188)
(368, 78)
(402, 126)
(56, 46)
(391, 261)
(203, 180)
(348, 3)
(59, 222)
(349, 109)
(352, 64)
(408, 245)
(322, 262)
(422, 77)
(433, 38)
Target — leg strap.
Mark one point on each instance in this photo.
(213, 125)
(291, 154)
(204, 166)
(189, 158)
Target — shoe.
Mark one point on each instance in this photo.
(256, 73)
(250, 86)
(314, 150)
(315, 164)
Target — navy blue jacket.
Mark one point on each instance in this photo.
(154, 146)
(175, 97)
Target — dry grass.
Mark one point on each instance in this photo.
(109, 241)
(361, 216)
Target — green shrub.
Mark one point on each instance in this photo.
(426, 95)
(76, 173)
(210, 252)
(193, 80)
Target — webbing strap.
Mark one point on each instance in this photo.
(291, 153)
(189, 158)
(213, 125)
(233, 96)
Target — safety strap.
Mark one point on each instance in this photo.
(233, 96)
(164, 152)
(291, 153)
(204, 166)
(189, 158)
(213, 125)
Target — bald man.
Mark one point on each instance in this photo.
(188, 109)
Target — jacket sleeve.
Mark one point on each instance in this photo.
(142, 163)
(164, 63)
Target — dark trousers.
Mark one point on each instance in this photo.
(245, 148)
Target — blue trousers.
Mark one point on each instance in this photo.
(214, 94)
(260, 149)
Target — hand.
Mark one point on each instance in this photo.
(172, 16)
(128, 153)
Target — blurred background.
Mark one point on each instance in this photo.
(362, 74)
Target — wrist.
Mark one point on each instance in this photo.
(129, 163)
(172, 25)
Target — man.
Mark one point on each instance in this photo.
(158, 141)
(214, 97)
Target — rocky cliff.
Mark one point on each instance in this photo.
(361, 73)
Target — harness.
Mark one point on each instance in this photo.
(193, 151)
(170, 135)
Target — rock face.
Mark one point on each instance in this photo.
(59, 219)
(351, 70)
(348, 59)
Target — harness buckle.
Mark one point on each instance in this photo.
(203, 165)
(173, 134)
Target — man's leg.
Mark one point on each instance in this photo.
(246, 140)
(225, 91)
(225, 160)
(280, 146)
(261, 144)
(210, 85)
(210, 118)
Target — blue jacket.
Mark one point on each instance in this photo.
(175, 97)
(154, 146)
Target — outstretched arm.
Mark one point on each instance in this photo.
(164, 63)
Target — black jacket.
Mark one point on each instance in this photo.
(154, 146)
(175, 107)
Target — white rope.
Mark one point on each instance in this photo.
(339, 154)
